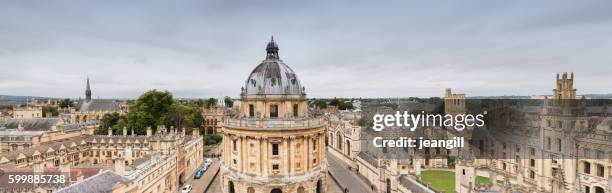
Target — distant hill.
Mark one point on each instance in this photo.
(19, 98)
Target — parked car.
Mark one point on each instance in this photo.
(198, 174)
(186, 188)
(204, 168)
(209, 161)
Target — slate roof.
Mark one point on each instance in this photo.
(100, 183)
(98, 105)
(30, 124)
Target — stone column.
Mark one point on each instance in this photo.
(292, 154)
(304, 153)
(257, 154)
(265, 156)
(241, 153)
(285, 155)
(309, 154)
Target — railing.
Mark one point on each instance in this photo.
(274, 123)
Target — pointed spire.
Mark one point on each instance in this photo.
(88, 91)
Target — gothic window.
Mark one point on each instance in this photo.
(587, 152)
(599, 154)
(600, 170)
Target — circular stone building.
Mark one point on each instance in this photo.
(273, 145)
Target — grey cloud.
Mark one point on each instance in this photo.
(338, 48)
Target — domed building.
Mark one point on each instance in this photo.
(273, 145)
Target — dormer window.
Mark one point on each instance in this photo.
(273, 81)
(293, 81)
(253, 82)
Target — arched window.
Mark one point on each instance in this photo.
(388, 185)
(319, 185)
(276, 190)
(339, 141)
(230, 187)
(250, 190)
(301, 190)
(348, 147)
(599, 190)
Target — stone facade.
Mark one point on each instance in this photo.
(273, 144)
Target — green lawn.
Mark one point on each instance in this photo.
(445, 180)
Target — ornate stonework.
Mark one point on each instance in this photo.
(273, 144)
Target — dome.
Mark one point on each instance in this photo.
(272, 76)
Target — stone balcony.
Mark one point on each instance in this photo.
(273, 124)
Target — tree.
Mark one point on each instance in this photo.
(66, 103)
(334, 102)
(320, 103)
(211, 102)
(228, 102)
(200, 102)
(149, 110)
(48, 110)
(109, 120)
(183, 116)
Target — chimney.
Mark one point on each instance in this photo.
(119, 166)
(149, 131)
(110, 131)
(20, 125)
(124, 131)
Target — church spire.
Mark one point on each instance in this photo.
(88, 91)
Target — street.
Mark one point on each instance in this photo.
(199, 185)
(346, 177)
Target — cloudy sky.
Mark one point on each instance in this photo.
(337, 48)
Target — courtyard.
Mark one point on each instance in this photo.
(444, 180)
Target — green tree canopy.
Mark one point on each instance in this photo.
(211, 102)
(66, 103)
(149, 110)
(48, 110)
(109, 120)
(228, 101)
